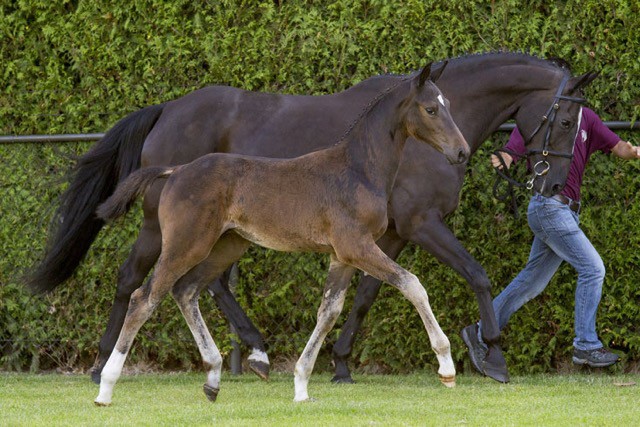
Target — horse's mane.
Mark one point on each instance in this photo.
(552, 62)
(524, 57)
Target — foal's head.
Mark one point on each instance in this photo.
(428, 118)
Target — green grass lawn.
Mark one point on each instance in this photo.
(176, 399)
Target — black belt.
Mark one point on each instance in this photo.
(574, 205)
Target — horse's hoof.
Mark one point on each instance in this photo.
(95, 375)
(101, 404)
(448, 381)
(498, 373)
(495, 367)
(259, 368)
(210, 392)
(342, 379)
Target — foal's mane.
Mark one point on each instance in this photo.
(370, 105)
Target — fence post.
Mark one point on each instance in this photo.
(236, 353)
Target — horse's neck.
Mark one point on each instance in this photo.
(482, 98)
(373, 148)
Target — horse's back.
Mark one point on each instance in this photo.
(228, 119)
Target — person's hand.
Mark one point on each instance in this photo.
(496, 163)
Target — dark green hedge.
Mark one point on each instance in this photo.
(79, 66)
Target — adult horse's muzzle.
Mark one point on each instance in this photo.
(545, 180)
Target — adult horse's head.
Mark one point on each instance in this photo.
(549, 122)
(428, 118)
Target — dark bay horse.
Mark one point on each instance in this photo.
(484, 91)
(330, 201)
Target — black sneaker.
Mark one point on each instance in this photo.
(477, 352)
(598, 358)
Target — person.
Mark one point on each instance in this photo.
(554, 222)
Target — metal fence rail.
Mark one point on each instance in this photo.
(76, 137)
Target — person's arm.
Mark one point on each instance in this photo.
(515, 145)
(626, 151)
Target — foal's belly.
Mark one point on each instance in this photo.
(285, 241)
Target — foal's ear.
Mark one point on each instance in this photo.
(581, 81)
(424, 74)
(437, 72)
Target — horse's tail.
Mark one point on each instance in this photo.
(129, 190)
(95, 176)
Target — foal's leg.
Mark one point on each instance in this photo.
(366, 293)
(141, 259)
(433, 235)
(229, 248)
(369, 258)
(180, 253)
(186, 294)
(143, 302)
(335, 289)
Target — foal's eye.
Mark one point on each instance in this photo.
(565, 123)
(430, 111)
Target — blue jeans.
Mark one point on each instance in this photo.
(557, 238)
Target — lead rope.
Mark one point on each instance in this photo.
(508, 196)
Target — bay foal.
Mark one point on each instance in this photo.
(331, 201)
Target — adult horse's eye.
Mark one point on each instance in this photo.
(565, 124)
(430, 111)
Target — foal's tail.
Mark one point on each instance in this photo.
(129, 190)
(95, 177)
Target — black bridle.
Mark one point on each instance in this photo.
(542, 166)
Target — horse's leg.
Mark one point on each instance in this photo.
(368, 257)
(366, 293)
(335, 288)
(143, 256)
(435, 237)
(248, 333)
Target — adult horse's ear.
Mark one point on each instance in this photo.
(424, 74)
(436, 72)
(579, 82)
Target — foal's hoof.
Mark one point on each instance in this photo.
(342, 379)
(101, 404)
(259, 368)
(210, 392)
(448, 381)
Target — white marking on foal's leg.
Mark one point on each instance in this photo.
(413, 290)
(110, 374)
(300, 383)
